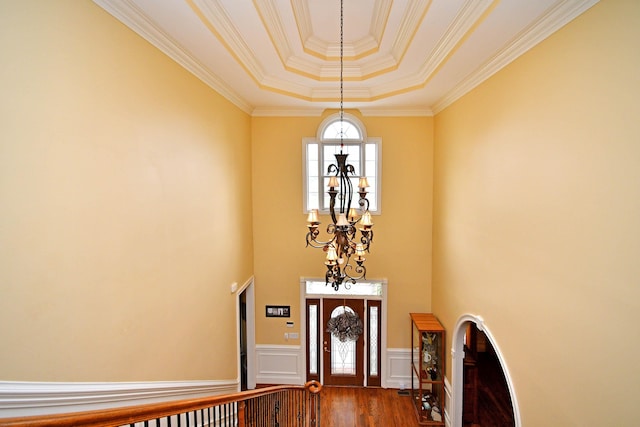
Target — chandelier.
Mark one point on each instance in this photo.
(343, 247)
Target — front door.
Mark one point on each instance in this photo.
(343, 360)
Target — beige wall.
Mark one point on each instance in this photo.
(536, 219)
(125, 205)
(401, 250)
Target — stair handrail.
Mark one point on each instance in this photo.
(120, 416)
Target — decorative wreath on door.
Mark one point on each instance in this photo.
(346, 326)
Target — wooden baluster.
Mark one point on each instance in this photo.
(241, 421)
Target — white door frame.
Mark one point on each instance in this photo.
(303, 322)
(457, 356)
(251, 332)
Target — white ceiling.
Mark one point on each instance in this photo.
(401, 57)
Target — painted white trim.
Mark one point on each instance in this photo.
(21, 398)
(320, 141)
(347, 117)
(384, 380)
(132, 16)
(317, 112)
(457, 356)
(286, 112)
(560, 14)
(447, 402)
(279, 364)
(397, 112)
(127, 12)
(398, 368)
(251, 332)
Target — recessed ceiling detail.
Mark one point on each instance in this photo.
(329, 50)
(415, 56)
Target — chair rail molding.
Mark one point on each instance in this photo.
(23, 398)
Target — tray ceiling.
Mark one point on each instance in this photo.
(401, 57)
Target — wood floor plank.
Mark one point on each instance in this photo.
(365, 407)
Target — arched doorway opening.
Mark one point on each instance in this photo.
(483, 392)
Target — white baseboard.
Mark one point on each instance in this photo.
(19, 399)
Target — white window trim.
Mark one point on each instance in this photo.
(345, 117)
(376, 141)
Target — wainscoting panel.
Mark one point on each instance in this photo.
(38, 398)
(279, 364)
(284, 364)
(398, 369)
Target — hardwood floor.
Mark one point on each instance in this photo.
(365, 407)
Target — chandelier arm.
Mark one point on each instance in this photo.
(359, 269)
(363, 202)
(332, 205)
(366, 238)
(317, 243)
(348, 191)
(312, 237)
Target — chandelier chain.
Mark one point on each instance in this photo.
(341, 75)
(345, 252)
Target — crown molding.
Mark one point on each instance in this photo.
(467, 19)
(215, 18)
(130, 15)
(562, 12)
(317, 112)
(286, 112)
(314, 46)
(411, 20)
(396, 112)
(558, 16)
(358, 49)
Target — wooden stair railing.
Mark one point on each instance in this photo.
(276, 406)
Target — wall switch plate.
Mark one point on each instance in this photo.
(294, 335)
(234, 287)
